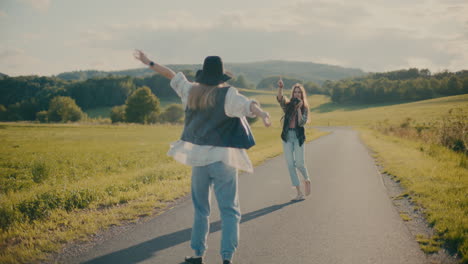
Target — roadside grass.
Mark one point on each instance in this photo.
(435, 181)
(63, 182)
(434, 177)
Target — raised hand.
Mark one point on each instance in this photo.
(280, 83)
(141, 56)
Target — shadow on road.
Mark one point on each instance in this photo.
(147, 249)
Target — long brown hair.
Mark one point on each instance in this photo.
(202, 96)
(303, 94)
(305, 106)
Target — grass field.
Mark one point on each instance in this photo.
(423, 111)
(63, 182)
(434, 179)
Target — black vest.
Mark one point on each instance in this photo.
(300, 131)
(213, 127)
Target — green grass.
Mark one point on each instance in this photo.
(102, 175)
(423, 111)
(428, 245)
(434, 179)
(63, 182)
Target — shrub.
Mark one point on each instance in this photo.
(118, 114)
(42, 116)
(153, 118)
(40, 171)
(140, 105)
(7, 217)
(64, 109)
(34, 209)
(79, 199)
(41, 205)
(453, 131)
(173, 114)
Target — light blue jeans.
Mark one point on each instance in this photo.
(294, 155)
(223, 179)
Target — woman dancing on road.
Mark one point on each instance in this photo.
(295, 117)
(214, 142)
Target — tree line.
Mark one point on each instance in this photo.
(22, 98)
(397, 86)
(30, 97)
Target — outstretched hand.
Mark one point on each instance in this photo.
(266, 119)
(141, 56)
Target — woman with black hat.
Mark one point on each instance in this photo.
(295, 117)
(214, 141)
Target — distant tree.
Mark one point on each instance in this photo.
(104, 91)
(313, 88)
(118, 114)
(454, 86)
(153, 118)
(64, 109)
(465, 85)
(42, 116)
(240, 82)
(425, 73)
(3, 113)
(140, 105)
(172, 114)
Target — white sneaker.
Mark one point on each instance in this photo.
(299, 197)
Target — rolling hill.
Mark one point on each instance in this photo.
(254, 71)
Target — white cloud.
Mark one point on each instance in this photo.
(13, 61)
(374, 35)
(30, 36)
(41, 5)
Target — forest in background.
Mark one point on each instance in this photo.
(23, 97)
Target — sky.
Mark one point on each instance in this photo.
(47, 37)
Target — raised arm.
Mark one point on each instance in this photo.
(161, 69)
(280, 89)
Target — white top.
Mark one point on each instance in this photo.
(235, 105)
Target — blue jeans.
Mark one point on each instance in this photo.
(224, 181)
(294, 155)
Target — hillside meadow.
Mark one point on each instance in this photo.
(64, 182)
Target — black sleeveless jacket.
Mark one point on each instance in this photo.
(213, 127)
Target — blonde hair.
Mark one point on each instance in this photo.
(305, 106)
(202, 96)
(303, 94)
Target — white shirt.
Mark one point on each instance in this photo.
(235, 105)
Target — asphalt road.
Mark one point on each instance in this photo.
(348, 218)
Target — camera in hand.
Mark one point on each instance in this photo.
(295, 101)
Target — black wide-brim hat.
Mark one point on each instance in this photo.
(213, 72)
